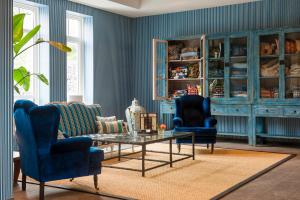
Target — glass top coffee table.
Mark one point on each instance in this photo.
(143, 140)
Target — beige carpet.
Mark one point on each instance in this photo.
(202, 178)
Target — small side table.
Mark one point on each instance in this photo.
(17, 166)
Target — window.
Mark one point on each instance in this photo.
(30, 58)
(75, 59)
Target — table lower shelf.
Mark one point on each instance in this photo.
(143, 170)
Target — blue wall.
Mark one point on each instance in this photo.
(241, 17)
(123, 51)
(112, 55)
(6, 99)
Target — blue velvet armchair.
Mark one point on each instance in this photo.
(193, 115)
(43, 157)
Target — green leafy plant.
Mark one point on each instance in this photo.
(21, 75)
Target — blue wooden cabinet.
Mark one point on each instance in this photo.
(253, 79)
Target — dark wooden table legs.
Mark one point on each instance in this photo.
(171, 143)
(143, 159)
(119, 152)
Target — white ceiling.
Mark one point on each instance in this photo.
(139, 8)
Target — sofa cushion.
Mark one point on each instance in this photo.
(78, 119)
(106, 119)
(111, 126)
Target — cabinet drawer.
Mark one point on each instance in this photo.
(268, 111)
(168, 108)
(238, 110)
(218, 110)
(294, 112)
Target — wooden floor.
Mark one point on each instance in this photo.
(280, 183)
(32, 193)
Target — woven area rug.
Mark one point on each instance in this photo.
(203, 178)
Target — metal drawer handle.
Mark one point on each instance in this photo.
(267, 110)
(237, 109)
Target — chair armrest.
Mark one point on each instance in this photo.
(210, 122)
(177, 121)
(71, 145)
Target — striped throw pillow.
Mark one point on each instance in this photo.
(111, 126)
(78, 119)
(106, 119)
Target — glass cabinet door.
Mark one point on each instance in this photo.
(160, 69)
(292, 65)
(215, 62)
(202, 68)
(269, 66)
(238, 66)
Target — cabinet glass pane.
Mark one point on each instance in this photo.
(216, 68)
(216, 58)
(238, 87)
(269, 66)
(238, 68)
(216, 88)
(160, 72)
(184, 67)
(292, 65)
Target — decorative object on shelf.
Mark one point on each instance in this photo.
(148, 122)
(217, 51)
(193, 71)
(265, 48)
(290, 46)
(133, 114)
(216, 89)
(178, 72)
(298, 45)
(269, 48)
(179, 93)
(269, 93)
(174, 52)
(296, 92)
(294, 70)
(269, 68)
(189, 53)
(199, 90)
(192, 90)
(239, 90)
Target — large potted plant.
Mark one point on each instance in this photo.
(22, 76)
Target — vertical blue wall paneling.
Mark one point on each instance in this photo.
(232, 18)
(6, 99)
(112, 55)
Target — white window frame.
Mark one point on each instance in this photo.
(36, 53)
(80, 41)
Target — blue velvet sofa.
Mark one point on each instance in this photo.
(193, 115)
(43, 157)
